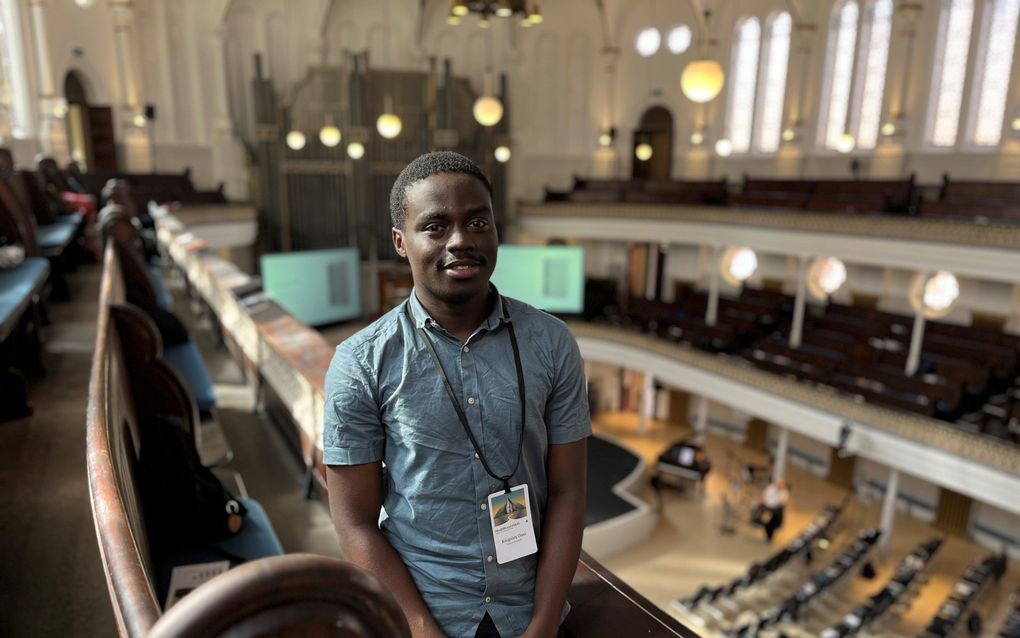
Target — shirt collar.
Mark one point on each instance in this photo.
(494, 320)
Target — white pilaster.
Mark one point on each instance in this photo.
(782, 451)
(700, 423)
(892, 488)
(647, 410)
(52, 135)
(916, 339)
(712, 309)
(796, 331)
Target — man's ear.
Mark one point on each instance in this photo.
(398, 241)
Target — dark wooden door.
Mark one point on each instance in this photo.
(101, 143)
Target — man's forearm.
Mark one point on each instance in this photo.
(366, 547)
(557, 560)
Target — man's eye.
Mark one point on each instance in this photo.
(433, 228)
(478, 223)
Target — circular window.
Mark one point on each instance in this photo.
(679, 39)
(648, 42)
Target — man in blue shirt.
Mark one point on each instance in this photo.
(456, 397)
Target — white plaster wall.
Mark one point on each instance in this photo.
(924, 493)
(995, 529)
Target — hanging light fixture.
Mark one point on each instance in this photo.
(502, 154)
(738, 264)
(535, 15)
(643, 151)
(84, 4)
(703, 78)
(458, 8)
(697, 138)
(504, 10)
(355, 150)
(388, 124)
(329, 134)
(296, 140)
(488, 109)
(788, 134)
(453, 19)
(845, 143)
(826, 276)
(724, 147)
(138, 120)
(934, 296)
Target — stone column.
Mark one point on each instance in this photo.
(700, 424)
(646, 411)
(135, 134)
(227, 155)
(797, 330)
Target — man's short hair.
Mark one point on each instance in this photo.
(426, 166)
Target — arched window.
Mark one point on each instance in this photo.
(876, 47)
(840, 72)
(950, 70)
(995, 66)
(777, 58)
(744, 78)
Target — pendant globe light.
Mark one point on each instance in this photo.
(702, 79)
(488, 109)
(389, 124)
(329, 134)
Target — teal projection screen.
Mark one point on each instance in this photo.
(547, 277)
(318, 287)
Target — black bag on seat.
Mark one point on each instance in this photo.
(183, 501)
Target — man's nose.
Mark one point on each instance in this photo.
(460, 239)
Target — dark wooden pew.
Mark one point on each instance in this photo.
(975, 200)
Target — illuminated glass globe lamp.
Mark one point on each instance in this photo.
(643, 151)
(738, 264)
(845, 143)
(702, 80)
(934, 296)
(329, 134)
(389, 124)
(296, 140)
(724, 147)
(825, 276)
(502, 154)
(355, 150)
(488, 110)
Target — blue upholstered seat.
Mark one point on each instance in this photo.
(53, 238)
(257, 539)
(163, 296)
(16, 288)
(186, 360)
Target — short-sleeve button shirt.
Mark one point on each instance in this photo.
(385, 401)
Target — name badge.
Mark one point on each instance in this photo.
(513, 528)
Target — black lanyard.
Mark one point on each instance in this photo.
(460, 411)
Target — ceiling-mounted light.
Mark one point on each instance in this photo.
(643, 151)
(702, 80)
(502, 154)
(504, 10)
(296, 140)
(389, 124)
(788, 134)
(453, 19)
(647, 42)
(679, 39)
(535, 14)
(697, 138)
(329, 134)
(355, 150)
(888, 129)
(84, 4)
(138, 120)
(845, 143)
(458, 8)
(724, 147)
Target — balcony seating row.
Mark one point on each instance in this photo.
(850, 196)
(682, 192)
(975, 200)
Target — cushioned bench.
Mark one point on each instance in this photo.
(56, 237)
(163, 296)
(187, 361)
(17, 287)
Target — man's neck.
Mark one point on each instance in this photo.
(460, 320)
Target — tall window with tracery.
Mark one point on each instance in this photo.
(777, 58)
(744, 76)
(840, 71)
(950, 70)
(876, 48)
(14, 105)
(995, 66)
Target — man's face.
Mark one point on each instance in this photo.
(449, 238)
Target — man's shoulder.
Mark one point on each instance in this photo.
(375, 336)
(529, 317)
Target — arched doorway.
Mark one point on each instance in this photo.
(89, 128)
(656, 130)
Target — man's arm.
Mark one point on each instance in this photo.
(561, 535)
(355, 499)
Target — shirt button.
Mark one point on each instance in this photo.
(471, 400)
(488, 599)
(484, 507)
(488, 559)
(467, 349)
(476, 455)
